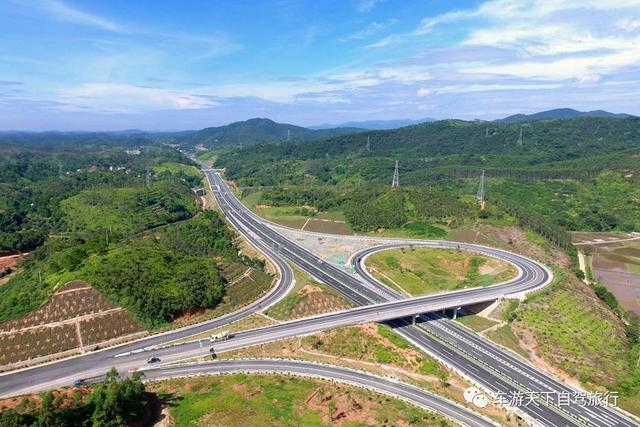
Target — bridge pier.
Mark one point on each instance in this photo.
(413, 318)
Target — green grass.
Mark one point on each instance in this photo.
(575, 330)
(509, 312)
(250, 198)
(207, 155)
(291, 216)
(633, 268)
(415, 230)
(396, 339)
(355, 343)
(178, 168)
(475, 322)
(331, 215)
(261, 400)
(284, 308)
(504, 336)
(299, 303)
(421, 271)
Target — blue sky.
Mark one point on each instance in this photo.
(165, 65)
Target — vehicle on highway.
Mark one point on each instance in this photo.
(153, 359)
(79, 382)
(222, 336)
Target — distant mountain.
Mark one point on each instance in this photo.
(252, 131)
(559, 114)
(377, 124)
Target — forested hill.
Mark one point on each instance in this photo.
(251, 132)
(558, 114)
(463, 143)
(14, 140)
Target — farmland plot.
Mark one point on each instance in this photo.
(75, 317)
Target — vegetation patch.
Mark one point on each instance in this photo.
(188, 173)
(475, 322)
(284, 401)
(420, 271)
(375, 344)
(115, 402)
(504, 336)
(307, 299)
(75, 316)
(572, 329)
(129, 210)
(157, 276)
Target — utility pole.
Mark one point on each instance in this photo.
(480, 195)
(148, 178)
(396, 177)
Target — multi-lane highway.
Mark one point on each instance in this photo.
(502, 364)
(487, 365)
(380, 384)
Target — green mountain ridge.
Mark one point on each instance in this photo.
(559, 114)
(250, 132)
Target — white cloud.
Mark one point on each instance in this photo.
(537, 39)
(370, 30)
(423, 91)
(588, 79)
(469, 88)
(66, 13)
(125, 98)
(367, 5)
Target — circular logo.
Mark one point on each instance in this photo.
(473, 395)
(480, 400)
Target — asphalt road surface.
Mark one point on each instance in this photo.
(488, 365)
(409, 393)
(484, 363)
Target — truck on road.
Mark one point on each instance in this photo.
(222, 336)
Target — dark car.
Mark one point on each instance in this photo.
(78, 383)
(153, 359)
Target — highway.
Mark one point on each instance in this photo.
(482, 362)
(502, 363)
(406, 392)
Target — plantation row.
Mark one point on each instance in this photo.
(46, 341)
(68, 303)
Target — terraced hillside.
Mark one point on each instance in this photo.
(75, 319)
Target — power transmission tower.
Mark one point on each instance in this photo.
(486, 133)
(288, 134)
(148, 178)
(520, 137)
(368, 144)
(396, 177)
(60, 172)
(480, 195)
